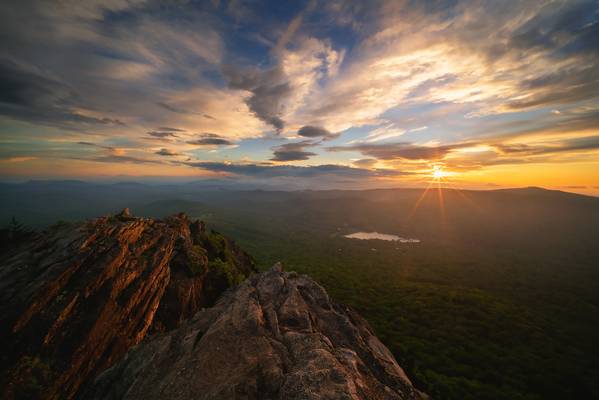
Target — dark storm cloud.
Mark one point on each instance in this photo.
(210, 139)
(392, 151)
(293, 151)
(271, 170)
(316, 132)
(269, 89)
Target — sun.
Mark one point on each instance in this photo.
(438, 172)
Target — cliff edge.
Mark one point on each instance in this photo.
(75, 298)
(276, 336)
(135, 308)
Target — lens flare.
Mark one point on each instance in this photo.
(438, 172)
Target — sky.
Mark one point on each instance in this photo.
(312, 94)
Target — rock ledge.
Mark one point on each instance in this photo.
(276, 336)
(75, 298)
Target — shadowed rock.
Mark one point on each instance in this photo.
(75, 298)
(276, 336)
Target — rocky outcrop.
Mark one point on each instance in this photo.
(76, 298)
(276, 336)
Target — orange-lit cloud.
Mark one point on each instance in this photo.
(499, 93)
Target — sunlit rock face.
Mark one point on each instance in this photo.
(75, 298)
(276, 336)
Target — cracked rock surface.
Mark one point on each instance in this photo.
(276, 336)
(76, 297)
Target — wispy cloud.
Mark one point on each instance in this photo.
(392, 151)
(470, 84)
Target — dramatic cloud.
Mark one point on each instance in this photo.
(395, 84)
(469, 155)
(420, 55)
(27, 93)
(268, 91)
(293, 151)
(210, 139)
(408, 151)
(316, 132)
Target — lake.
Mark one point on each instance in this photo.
(380, 236)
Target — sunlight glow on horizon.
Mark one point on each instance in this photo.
(465, 94)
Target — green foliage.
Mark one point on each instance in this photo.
(500, 300)
(475, 311)
(220, 255)
(195, 260)
(229, 271)
(217, 247)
